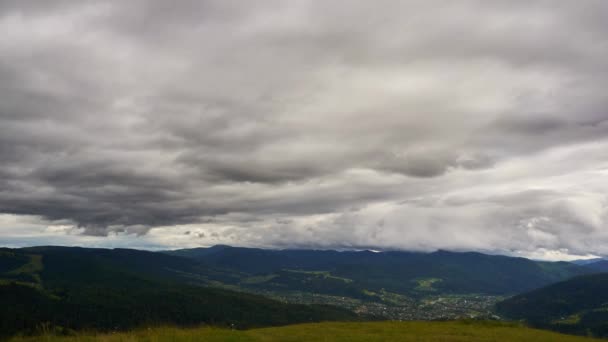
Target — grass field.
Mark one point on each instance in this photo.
(374, 331)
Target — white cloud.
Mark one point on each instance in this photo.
(400, 124)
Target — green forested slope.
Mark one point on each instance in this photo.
(97, 289)
(397, 272)
(578, 305)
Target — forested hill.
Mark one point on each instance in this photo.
(399, 272)
(598, 266)
(578, 305)
(102, 289)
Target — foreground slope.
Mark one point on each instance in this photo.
(378, 331)
(123, 289)
(578, 305)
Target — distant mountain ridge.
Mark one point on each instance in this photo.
(595, 264)
(583, 262)
(599, 266)
(456, 272)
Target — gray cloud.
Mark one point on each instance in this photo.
(454, 124)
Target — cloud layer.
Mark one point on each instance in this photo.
(393, 124)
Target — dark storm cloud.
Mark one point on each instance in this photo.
(265, 122)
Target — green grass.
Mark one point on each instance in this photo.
(321, 274)
(426, 284)
(370, 331)
(32, 268)
(259, 279)
(572, 319)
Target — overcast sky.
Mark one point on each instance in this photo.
(418, 125)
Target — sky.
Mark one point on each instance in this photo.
(388, 125)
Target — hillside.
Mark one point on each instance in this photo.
(395, 285)
(103, 289)
(124, 289)
(578, 305)
(598, 266)
(586, 261)
(404, 273)
(380, 331)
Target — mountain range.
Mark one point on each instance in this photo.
(75, 288)
(399, 272)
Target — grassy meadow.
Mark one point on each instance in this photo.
(369, 331)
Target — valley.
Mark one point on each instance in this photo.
(72, 289)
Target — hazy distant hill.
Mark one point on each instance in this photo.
(400, 272)
(106, 289)
(578, 305)
(586, 261)
(599, 266)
